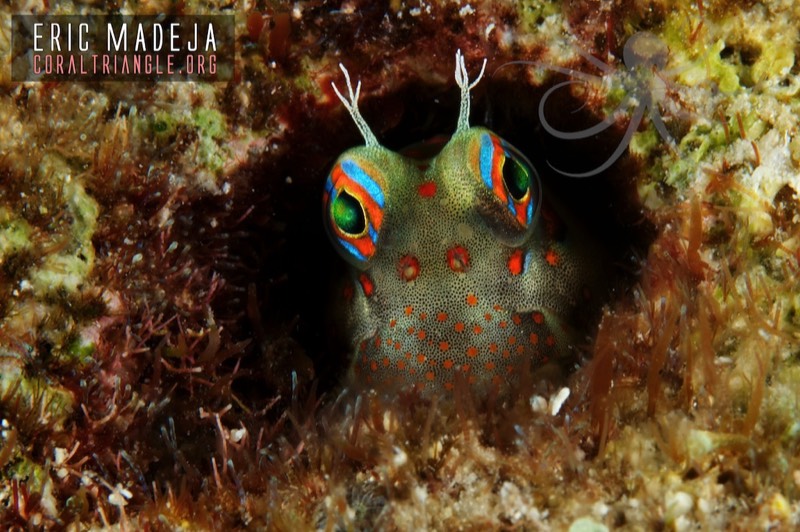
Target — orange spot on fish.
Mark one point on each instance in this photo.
(515, 262)
(459, 327)
(472, 300)
(442, 316)
(552, 257)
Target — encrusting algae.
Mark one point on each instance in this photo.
(164, 359)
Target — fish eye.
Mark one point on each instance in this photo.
(511, 190)
(348, 214)
(354, 202)
(516, 177)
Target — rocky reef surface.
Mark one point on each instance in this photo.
(164, 273)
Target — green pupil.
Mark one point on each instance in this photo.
(348, 214)
(516, 177)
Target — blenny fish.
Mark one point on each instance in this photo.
(460, 271)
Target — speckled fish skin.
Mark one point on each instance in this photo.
(456, 276)
(460, 271)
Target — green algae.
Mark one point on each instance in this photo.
(698, 61)
(775, 62)
(15, 234)
(208, 124)
(587, 524)
(80, 352)
(33, 395)
(33, 474)
(162, 125)
(694, 147)
(644, 142)
(532, 12)
(67, 270)
(211, 128)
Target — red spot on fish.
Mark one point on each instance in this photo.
(427, 189)
(408, 268)
(458, 259)
(347, 292)
(366, 284)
